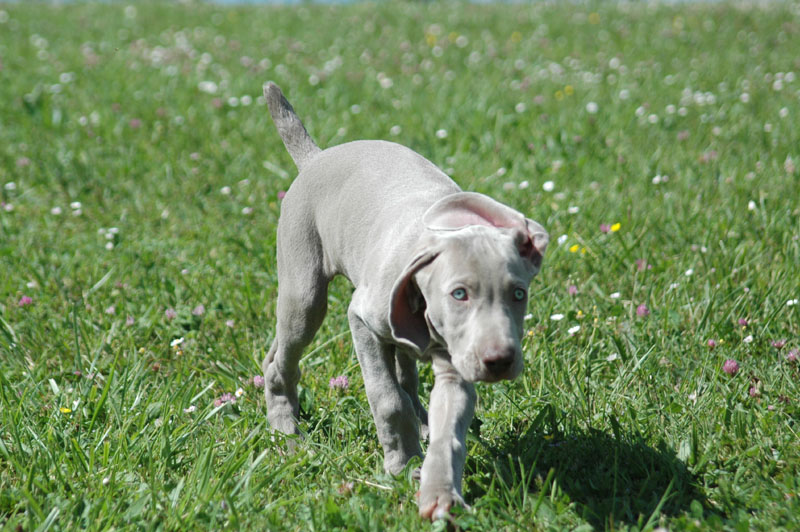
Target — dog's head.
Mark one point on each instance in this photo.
(467, 287)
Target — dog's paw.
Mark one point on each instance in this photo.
(435, 503)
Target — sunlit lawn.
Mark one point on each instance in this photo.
(140, 185)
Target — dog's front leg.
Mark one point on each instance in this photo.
(392, 408)
(450, 412)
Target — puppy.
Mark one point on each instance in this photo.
(440, 276)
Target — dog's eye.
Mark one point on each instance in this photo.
(519, 294)
(459, 294)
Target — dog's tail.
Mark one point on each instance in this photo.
(298, 142)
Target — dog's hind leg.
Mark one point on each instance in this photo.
(302, 302)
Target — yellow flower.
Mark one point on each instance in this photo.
(548, 437)
(430, 38)
(569, 90)
(65, 410)
(516, 36)
(579, 314)
(574, 248)
(559, 95)
(615, 227)
(594, 18)
(583, 251)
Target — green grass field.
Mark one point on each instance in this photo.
(140, 179)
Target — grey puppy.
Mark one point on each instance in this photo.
(440, 275)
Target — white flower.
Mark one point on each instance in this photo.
(748, 339)
(557, 317)
(592, 108)
(793, 302)
(751, 205)
(615, 295)
(225, 191)
(689, 272)
(441, 133)
(527, 317)
(176, 342)
(247, 210)
(547, 186)
(106, 481)
(653, 119)
(784, 112)
(109, 246)
(612, 357)
(395, 130)
(75, 205)
(573, 209)
(246, 100)
(10, 186)
(55, 211)
(744, 97)
(524, 185)
(573, 330)
(520, 107)
(239, 392)
(673, 286)
(189, 410)
(562, 239)
(624, 94)
(209, 87)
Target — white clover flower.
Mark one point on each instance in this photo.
(441, 133)
(225, 191)
(689, 272)
(748, 339)
(209, 87)
(562, 239)
(548, 186)
(751, 205)
(528, 317)
(395, 130)
(592, 108)
(573, 330)
(614, 295)
(557, 317)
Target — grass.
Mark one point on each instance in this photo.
(679, 123)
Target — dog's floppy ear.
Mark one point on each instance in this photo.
(407, 306)
(463, 209)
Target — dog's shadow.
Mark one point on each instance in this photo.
(611, 478)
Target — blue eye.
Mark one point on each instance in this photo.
(519, 294)
(459, 294)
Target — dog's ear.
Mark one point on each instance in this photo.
(469, 208)
(407, 306)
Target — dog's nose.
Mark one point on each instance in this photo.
(499, 361)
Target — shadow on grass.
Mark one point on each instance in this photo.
(613, 478)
